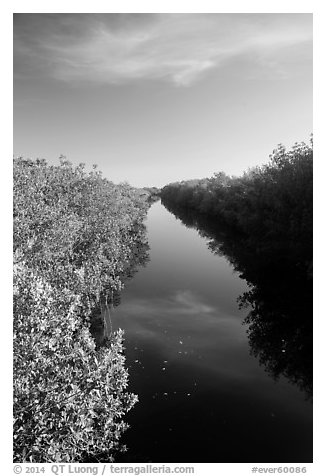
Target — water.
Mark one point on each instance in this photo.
(202, 396)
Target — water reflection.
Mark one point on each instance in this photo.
(202, 397)
(101, 322)
(279, 300)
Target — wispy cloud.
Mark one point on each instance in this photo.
(182, 303)
(191, 304)
(178, 48)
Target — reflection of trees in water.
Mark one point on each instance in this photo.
(279, 299)
(101, 325)
(280, 334)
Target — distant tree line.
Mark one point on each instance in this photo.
(154, 194)
(76, 235)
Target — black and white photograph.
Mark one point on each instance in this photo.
(163, 239)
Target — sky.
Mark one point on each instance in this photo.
(157, 98)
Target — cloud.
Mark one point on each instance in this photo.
(191, 304)
(179, 48)
(180, 321)
(181, 303)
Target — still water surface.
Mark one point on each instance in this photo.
(202, 396)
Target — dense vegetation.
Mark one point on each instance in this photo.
(262, 222)
(154, 193)
(76, 236)
(270, 207)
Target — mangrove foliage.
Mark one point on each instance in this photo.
(76, 235)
